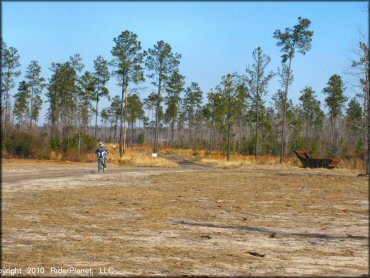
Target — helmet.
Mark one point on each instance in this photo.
(101, 145)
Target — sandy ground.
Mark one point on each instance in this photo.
(192, 220)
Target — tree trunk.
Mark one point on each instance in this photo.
(257, 96)
(132, 135)
(115, 130)
(5, 114)
(367, 159)
(332, 131)
(283, 141)
(96, 116)
(20, 123)
(211, 131)
(125, 120)
(228, 142)
(367, 119)
(121, 119)
(6, 97)
(190, 140)
(105, 132)
(256, 146)
(211, 139)
(172, 131)
(155, 147)
(31, 107)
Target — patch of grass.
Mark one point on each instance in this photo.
(225, 164)
(140, 157)
(143, 160)
(218, 159)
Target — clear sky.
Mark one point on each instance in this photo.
(214, 38)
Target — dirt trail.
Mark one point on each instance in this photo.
(187, 164)
(52, 169)
(69, 172)
(40, 171)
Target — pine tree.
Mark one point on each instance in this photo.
(312, 115)
(115, 112)
(232, 93)
(86, 94)
(335, 101)
(36, 108)
(9, 71)
(62, 95)
(354, 116)
(134, 112)
(101, 77)
(174, 88)
(297, 39)
(192, 105)
(361, 70)
(161, 62)
(37, 84)
(129, 59)
(21, 101)
(257, 83)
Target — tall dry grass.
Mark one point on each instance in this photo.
(218, 159)
(140, 156)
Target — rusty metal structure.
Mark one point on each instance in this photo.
(311, 162)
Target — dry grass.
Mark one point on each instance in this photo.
(218, 159)
(129, 223)
(140, 156)
(245, 161)
(353, 163)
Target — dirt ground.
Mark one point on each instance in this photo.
(191, 220)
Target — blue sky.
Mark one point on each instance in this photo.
(214, 38)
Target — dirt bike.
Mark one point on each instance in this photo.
(102, 163)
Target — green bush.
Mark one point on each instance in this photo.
(21, 144)
(315, 147)
(141, 138)
(298, 144)
(54, 144)
(360, 146)
(44, 155)
(88, 142)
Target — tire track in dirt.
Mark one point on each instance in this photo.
(274, 233)
(70, 172)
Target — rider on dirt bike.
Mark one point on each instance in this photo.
(102, 153)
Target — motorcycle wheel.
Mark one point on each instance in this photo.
(100, 166)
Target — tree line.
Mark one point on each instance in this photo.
(234, 119)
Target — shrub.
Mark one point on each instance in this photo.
(141, 138)
(21, 144)
(315, 148)
(44, 155)
(54, 144)
(88, 142)
(360, 146)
